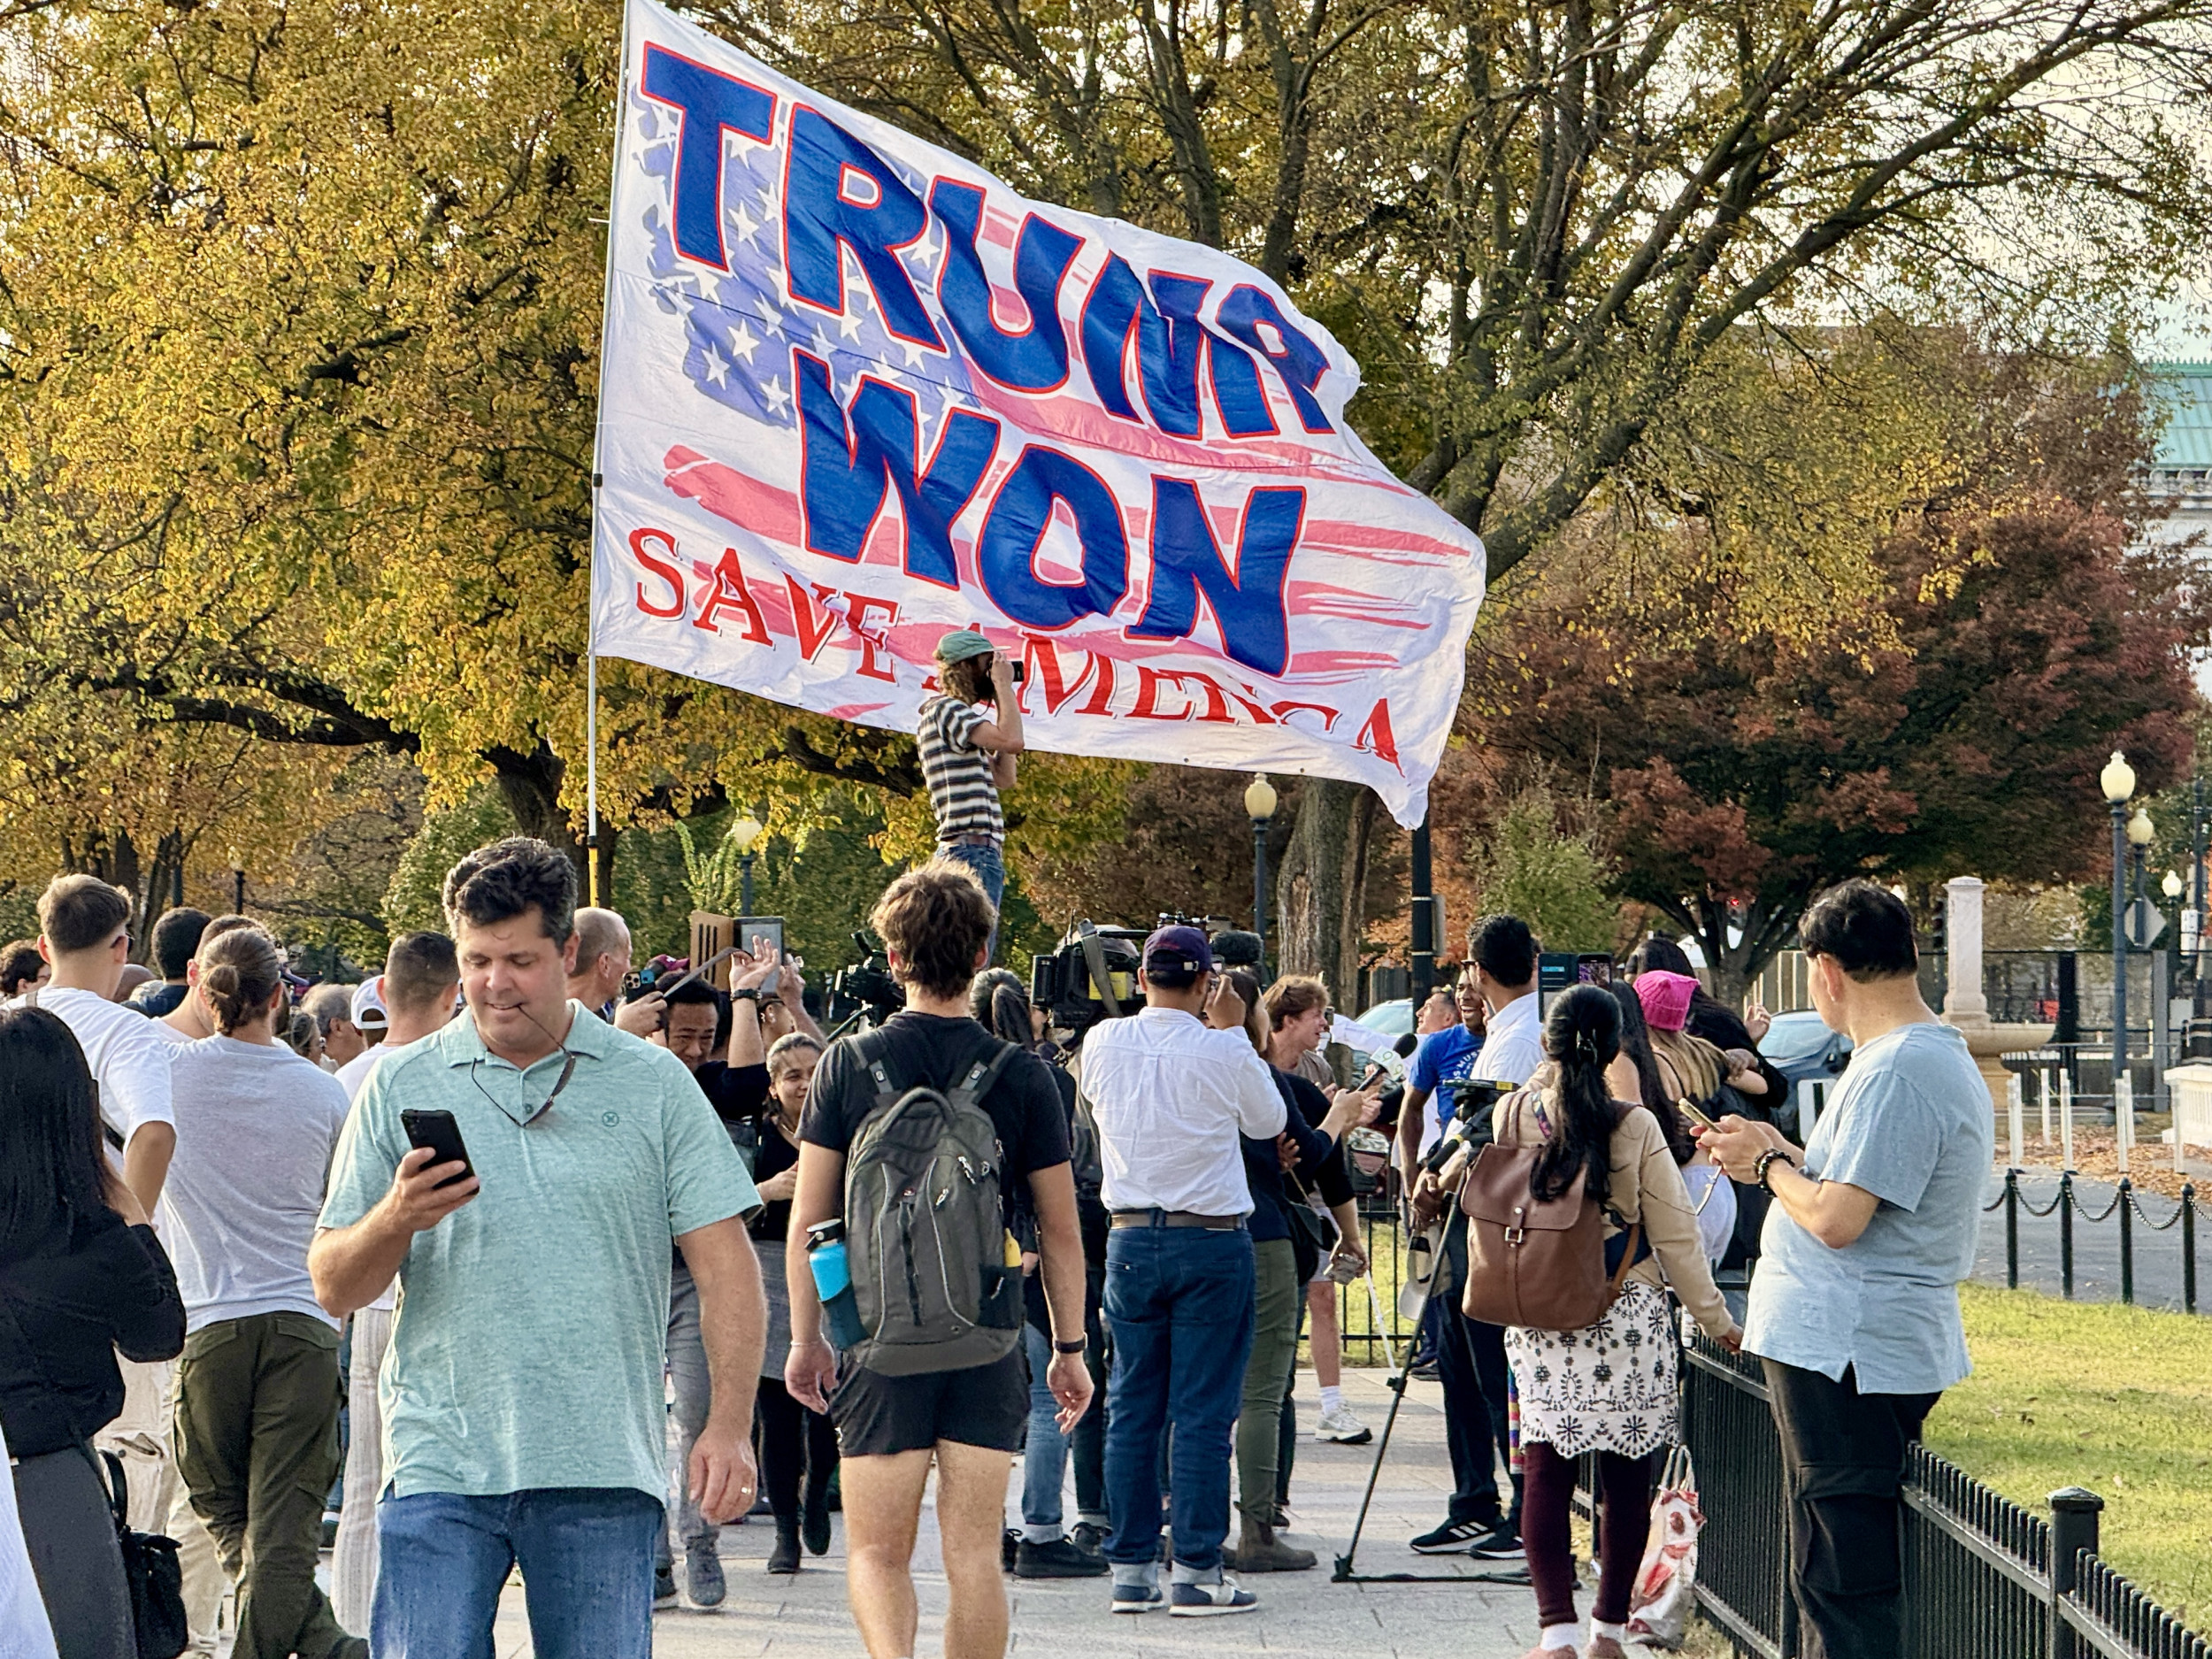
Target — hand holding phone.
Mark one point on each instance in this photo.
(436, 1134)
(1689, 1109)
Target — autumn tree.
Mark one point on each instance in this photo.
(298, 333)
(2025, 630)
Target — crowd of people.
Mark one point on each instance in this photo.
(508, 1207)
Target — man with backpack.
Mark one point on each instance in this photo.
(928, 1139)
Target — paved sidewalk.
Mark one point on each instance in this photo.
(1303, 1615)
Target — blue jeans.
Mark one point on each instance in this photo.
(587, 1559)
(989, 865)
(1045, 1452)
(1180, 1303)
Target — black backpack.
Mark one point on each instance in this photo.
(924, 1226)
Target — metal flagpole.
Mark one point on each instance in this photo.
(598, 481)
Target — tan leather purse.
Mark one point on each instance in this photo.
(1537, 1264)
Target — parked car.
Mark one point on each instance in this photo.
(1394, 1017)
(1801, 1046)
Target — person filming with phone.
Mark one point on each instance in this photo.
(968, 757)
(523, 1172)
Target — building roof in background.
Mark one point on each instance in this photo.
(2184, 392)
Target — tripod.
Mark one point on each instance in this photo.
(1344, 1572)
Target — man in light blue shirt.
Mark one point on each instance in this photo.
(1854, 1308)
(524, 1421)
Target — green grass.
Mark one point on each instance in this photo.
(2118, 1400)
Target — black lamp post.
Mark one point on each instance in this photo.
(1260, 802)
(2117, 780)
(746, 832)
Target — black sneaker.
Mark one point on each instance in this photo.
(1088, 1536)
(664, 1585)
(1010, 1543)
(1498, 1543)
(1059, 1559)
(1453, 1538)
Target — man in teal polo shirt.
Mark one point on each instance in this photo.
(524, 1415)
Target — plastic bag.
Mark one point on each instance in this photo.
(1664, 1593)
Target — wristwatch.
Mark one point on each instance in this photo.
(1076, 1346)
(1759, 1170)
(751, 993)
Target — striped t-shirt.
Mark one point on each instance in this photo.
(958, 774)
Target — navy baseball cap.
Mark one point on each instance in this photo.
(1178, 950)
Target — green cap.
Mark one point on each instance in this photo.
(961, 644)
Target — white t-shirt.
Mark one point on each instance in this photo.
(128, 1062)
(257, 1126)
(355, 1072)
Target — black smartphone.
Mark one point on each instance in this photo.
(438, 1131)
(1016, 671)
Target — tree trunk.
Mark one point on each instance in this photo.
(1320, 893)
(531, 787)
(603, 860)
(1761, 932)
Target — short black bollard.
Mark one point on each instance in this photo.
(2188, 1248)
(2074, 1512)
(2127, 1241)
(2012, 1229)
(2066, 1233)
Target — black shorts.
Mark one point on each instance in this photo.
(878, 1415)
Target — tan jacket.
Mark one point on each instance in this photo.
(1645, 1185)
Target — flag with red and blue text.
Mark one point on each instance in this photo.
(856, 392)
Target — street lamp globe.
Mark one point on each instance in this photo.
(746, 831)
(2139, 828)
(2172, 885)
(1259, 798)
(2117, 779)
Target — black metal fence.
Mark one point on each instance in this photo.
(1985, 1578)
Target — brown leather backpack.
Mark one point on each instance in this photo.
(1539, 1264)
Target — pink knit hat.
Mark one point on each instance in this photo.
(1666, 998)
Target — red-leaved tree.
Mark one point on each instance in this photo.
(2026, 637)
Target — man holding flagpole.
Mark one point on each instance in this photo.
(969, 756)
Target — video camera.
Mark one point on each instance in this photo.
(866, 983)
(1474, 1103)
(1090, 976)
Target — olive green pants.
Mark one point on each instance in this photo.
(257, 1442)
(1278, 1299)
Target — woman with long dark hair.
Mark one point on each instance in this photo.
(1608, 1388)
(82, 1277)
(1711, 1193)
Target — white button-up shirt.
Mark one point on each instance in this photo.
(1513, 1042)
(1171, 1096)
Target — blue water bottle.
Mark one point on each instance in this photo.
(834, 1284)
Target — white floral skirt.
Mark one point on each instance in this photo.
(1609, 1388)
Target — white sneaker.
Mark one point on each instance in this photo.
(1342, 1427)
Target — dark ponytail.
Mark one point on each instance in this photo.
(240, 972)
(1000, 1004)
(1582, 1033)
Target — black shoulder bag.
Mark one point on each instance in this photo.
(151, 1567)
